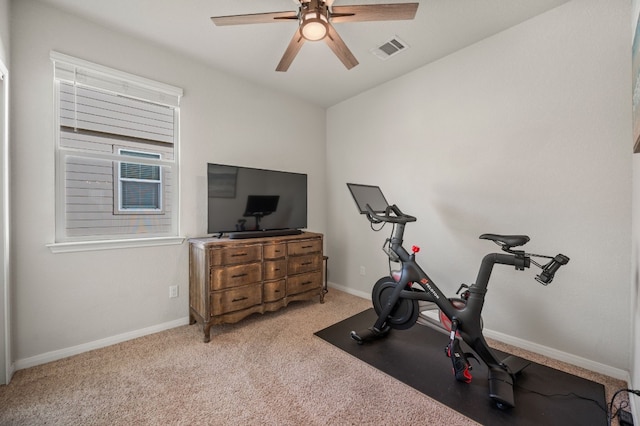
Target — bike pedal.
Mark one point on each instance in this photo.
(464, 376)
(461, 365)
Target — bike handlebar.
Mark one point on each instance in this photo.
(398, 217)
(393, 214)
(550, 269)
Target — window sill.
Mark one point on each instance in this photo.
(76, 246)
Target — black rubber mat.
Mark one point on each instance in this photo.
(543, 395)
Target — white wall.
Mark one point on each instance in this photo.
(525, 132)
(65, 301)
(4, 30)
(635, 283)
(4, 208)
(635, 286)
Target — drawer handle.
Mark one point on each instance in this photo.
(307, 283)
(240, 299)
(239, 254)
(239, 275)
(306, 247)
(306, 263)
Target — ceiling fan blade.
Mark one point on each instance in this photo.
(374, 12)
(253, 18)
(292, 50)
(340, 48)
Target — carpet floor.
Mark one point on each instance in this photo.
(265, 370)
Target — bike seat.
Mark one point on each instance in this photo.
(506, 240)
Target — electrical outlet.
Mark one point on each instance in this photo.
(173, 291)
(363, 271)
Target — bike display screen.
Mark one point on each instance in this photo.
(368, 194)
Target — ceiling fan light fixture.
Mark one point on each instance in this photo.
(315, 20)
(314, 26)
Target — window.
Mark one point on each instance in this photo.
(140, 185)
(104, 115)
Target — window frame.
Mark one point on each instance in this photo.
(118, 190)
(136, 88)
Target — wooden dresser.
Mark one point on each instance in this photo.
(231, 279)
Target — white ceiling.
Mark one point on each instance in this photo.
(440, 28)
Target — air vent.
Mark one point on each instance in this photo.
(390, 48)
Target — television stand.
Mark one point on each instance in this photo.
(232, 279)
(266, 233)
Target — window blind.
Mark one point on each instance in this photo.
(86, 108)
(79, 72)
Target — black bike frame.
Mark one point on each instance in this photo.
(467, 318)
(392, 299)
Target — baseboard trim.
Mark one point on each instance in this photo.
(632, 403)
(510, 340)
(361, 294)
(578, 361)
(11, 369)
(96, 344)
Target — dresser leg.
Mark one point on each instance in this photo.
(206, 328)
(325, 288)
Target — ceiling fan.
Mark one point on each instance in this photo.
(314, 23)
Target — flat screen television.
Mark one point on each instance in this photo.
(245, 202)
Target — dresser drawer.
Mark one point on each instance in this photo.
(300, 264)
(304, 282)
(295, 248)
(275, 251)
(234, 276)
(234, 255)
(230, 279)
(274, 290)
(274, 269)
(236, 299)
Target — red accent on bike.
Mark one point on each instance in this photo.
(467, 375)
(446, 322)
(415, 249)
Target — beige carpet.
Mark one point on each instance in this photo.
(266, 369)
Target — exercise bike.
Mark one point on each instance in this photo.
(407, 295)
